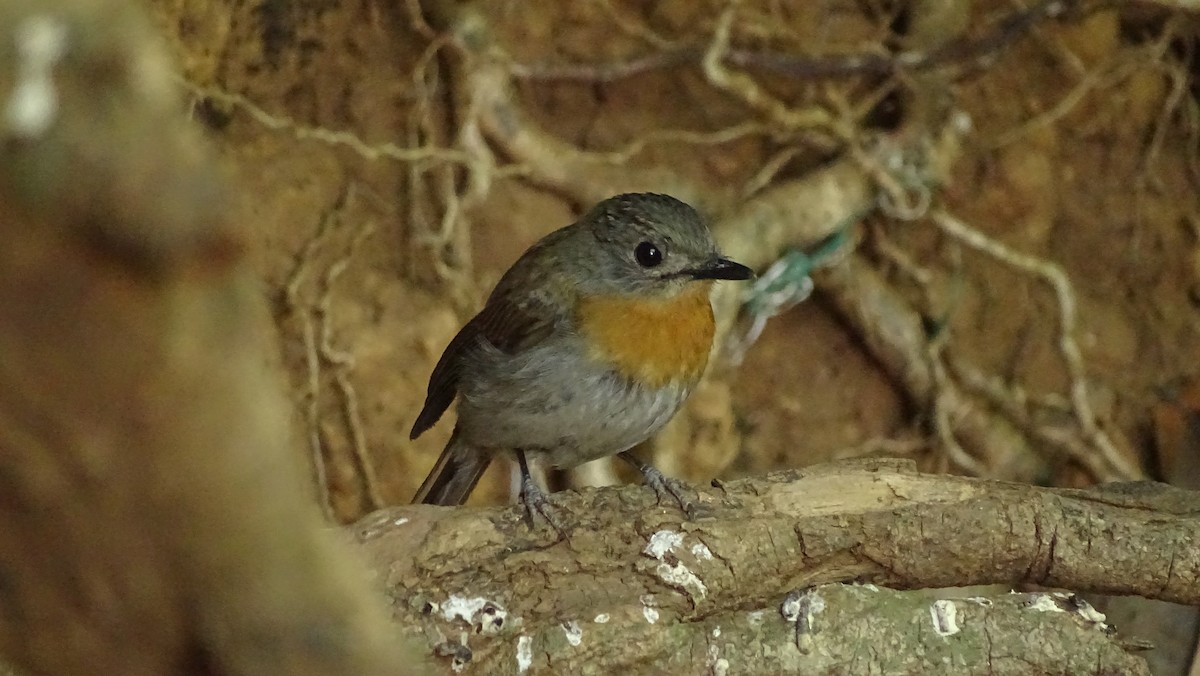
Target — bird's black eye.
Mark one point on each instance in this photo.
(647, 255)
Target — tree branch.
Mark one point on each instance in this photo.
(878, 521)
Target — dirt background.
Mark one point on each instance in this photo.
(1082, 152)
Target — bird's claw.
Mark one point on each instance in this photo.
(665, 486)
(537, 502)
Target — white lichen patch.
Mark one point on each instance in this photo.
(461, 607)
(524, 653)
(457, 651)
(717, 665)
(573, 632)
(601, 618)
(401, 521)
(802, 606)
(41, 43)
(716, 632)
(662, 543)
(944, 613)
(485, 616)
(673, 571)
(648, 608)
(1060, 602)
(790, 610)
(491, 619)
(1088, 612)
(1044, 603)
(681, 577)
(801, 609)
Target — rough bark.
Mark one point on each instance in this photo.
(152, 517)
(879, 522)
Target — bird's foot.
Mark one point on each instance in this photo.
(537, 502)
(665, 486)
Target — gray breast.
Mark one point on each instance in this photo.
(557, 404)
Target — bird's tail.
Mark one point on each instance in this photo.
(454, 475)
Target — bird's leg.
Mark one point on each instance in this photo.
(662, 484)
(536, 500)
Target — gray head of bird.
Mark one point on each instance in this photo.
(651, 244)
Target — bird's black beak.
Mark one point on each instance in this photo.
(721, 268)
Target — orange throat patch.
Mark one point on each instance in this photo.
(653, 342)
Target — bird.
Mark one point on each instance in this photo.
(588, 345)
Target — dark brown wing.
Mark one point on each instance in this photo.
(507, 325)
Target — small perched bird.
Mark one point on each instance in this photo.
(588, 345)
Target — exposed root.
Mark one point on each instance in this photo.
(316, 335)
(1054, 276)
